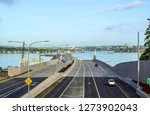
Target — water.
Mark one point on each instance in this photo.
(14, 59)
(108, 57)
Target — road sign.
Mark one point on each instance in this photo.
(28, 81)
(148, 81)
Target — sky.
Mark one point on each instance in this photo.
(74, 22)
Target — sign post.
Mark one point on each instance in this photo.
(148, 81)
(28, 81)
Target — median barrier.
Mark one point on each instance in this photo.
(48, 82)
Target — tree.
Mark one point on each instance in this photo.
(146, 54)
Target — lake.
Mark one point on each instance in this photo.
(108, 57)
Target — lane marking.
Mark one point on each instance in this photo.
(11, 86)
(71, 80)
(94, 80)
(104, 71)
(47, 92)
(122, 90)
(20, 82)
(66, 74)
(109, 70)
(83, 80)
(12, 91)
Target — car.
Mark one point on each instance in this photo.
(111, 82)
(96, 65)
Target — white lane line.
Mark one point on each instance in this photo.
(71, 80)
(122, 90)
(83, 79)
(12, 91)
(103, 71)
(109, 70)
(20, 82)
(94, 80)
(10, 86)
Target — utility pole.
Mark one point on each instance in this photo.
(23, 47)
(138, 56)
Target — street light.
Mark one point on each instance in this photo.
(138, 56)
(23, 46)
(28, 58)
(57, 48)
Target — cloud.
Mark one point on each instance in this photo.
(110, 28)
(125, 6)
(7, 1)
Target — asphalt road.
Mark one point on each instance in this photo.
(16, 87)
(88, 81)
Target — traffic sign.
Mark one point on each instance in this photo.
(28, 81)
(148, 81)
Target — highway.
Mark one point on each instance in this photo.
(88, 81)
(16, 87)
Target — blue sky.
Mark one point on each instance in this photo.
(74, 22)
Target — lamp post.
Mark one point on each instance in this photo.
(23, 46)
(58, 61)
(28, 58)
(138, 56)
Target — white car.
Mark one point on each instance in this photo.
(111, 82)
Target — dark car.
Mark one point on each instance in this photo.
(96, 65)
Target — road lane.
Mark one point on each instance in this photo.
(16, 87)
(88, 81)
(91, 90)
(62, 85)
(75, 88)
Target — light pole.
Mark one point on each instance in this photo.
(138, 56)
(23, 46)
(28, 59)
(57, 48)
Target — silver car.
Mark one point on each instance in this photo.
(111, 82)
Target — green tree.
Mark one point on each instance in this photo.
(146, 54)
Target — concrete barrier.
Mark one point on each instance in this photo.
(13, 71)
(130, 70)
(47, 83)
(141, 93)
(105, 64)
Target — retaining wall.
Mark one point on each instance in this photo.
(130, 70)
(13, 71)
